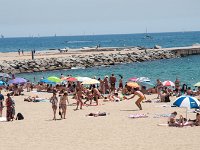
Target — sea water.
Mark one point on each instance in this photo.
(186, 69)
(173, 39)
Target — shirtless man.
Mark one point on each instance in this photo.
(139, 100)
(63, 104)
(112, 83)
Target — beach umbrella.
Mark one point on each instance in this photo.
(5, 75)
(168, 83)
(17, 81)
(2, 83)
(81, 79)
(47, 81)
(54, 79)
(133, 84)
(147, 84)
(91, 81)
(197, 84)
(143, 79)
(187, 102)
(69, 79)
(134, 79)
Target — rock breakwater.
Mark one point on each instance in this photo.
(56, 63)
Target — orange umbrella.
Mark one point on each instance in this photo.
(133, 84)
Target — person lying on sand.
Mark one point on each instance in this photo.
(97, 114)
(173, 122)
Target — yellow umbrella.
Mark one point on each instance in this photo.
(197, 84)
(91, 81)
(133, 84)
(54, 79)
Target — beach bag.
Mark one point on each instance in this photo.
(19, 117)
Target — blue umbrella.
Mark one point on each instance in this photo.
(17, 81)
(188, 102)
(47, 81)
(2, 83)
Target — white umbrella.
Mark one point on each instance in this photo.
(91, 81)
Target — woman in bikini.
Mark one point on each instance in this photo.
(140, 99)
(63, 104)
(78, 97)
(54, 102)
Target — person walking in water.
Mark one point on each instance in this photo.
(54, 102)
(140, 99)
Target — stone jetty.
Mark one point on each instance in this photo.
(90, 59)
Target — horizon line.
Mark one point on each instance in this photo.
(31, 36)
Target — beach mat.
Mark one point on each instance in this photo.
(163, 124)
(137, 116)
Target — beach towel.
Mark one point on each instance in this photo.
(161, 115)
(3, 119)
(137, 116)
(40, 100)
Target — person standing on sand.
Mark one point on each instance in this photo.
(106, 85)
(159, 87)
(78, 95)
(112, 83)
(1, 103)
(54, 102)
(63, 105)
(10, 108)
(140, 99)
(19, 51)
(96, 94)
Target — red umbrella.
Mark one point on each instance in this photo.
(134, 79)
(69, 79)
(168, 83)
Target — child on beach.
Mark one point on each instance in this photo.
(140, 99)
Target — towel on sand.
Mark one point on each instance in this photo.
(137, 116)
(3, 119)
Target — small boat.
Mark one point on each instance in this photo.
(63, 50)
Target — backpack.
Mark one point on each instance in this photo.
(19, 117)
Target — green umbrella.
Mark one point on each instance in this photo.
(197, 84)
(54, 79)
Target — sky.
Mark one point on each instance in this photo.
(91, 17)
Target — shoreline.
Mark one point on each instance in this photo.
(11, 62)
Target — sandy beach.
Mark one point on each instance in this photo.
(115, 131)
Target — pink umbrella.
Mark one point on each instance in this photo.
(168, 83)
(134, 79)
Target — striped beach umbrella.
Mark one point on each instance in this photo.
(187, 102)
(168, 83)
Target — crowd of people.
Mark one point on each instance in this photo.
(107, 89)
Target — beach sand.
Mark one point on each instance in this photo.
(115, 131)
